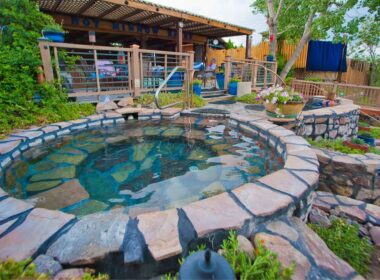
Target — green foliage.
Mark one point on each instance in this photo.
(357, 141)
(92, 276)
(230, 45)
(235, 79)
(197, 82)
(169, 98)
(375, 132)
(363, 124)
(265, 266)
(10, 270)
(250, 98)
(337, 145)
(20, 61)
(343, 239)
(281, 62)
(25, 270)
(314, 79)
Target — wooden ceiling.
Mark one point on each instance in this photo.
(141, 12)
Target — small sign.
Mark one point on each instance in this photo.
(137, 83)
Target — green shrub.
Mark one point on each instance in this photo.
(235, 79)
(250, 98)
(375, 132)
(314, 79)
(11, 269)
(337, 145)
(363, 124)
(343, 239)
(169, 98)
(265, 266)
(20, 61)
(197, 82)
(25, 270)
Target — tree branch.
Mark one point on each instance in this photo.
(280, 6)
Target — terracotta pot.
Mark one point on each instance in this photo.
(40, 75)
(363, 148)
(289, 110)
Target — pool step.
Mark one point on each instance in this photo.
(213, 93)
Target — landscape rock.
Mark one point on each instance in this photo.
(375, 235)
(47, 265)
(317, 216)
(352, 212)
(244, 245)
(125, 102)
(70, 274)
(284, 229)
(106, 106)
(286, 254)
(90, 239)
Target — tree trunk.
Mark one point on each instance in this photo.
(304, 40)
(272, 24)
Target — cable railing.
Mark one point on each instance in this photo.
(164, 83)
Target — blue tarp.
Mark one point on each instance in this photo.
(326, 56)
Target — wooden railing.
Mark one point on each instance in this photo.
(92, 71)
(261, 74)
(361, 95)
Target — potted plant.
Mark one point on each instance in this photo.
(197, 87)
(282, 102)
(54, 33)
(232, 87)
(367, 138)
(356, 143)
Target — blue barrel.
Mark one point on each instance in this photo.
(176, 80)
(220, 80)
(197, 89)
(232, 89)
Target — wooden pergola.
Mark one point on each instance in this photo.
(139, 19)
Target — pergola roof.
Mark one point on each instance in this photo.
(138, 11)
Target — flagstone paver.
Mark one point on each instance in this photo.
(26, 239)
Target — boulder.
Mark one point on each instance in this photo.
(319, 217)
(375, 235)
(70, 274)
(47, 265)
(244, 245)
(106, 106)
(125, 102)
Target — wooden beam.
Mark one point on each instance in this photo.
(150, 17)
(166, 21)
(131, 14)
(110, 10)
(55, 7)
(86, 6)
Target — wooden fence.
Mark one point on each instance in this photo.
(88, 71)
(361, 95)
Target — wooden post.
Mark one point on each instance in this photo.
(227, 71)
(190, 71)
(135, 71)
(97, 73)
(46, 61)
(254, 74)
(179, 37)
(248, 47)
(377, 99)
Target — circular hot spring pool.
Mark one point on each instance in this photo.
(141, 166)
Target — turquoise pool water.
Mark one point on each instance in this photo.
(140, 166)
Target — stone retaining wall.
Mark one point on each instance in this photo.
(355, 176)
(157, 237)
(334, 122)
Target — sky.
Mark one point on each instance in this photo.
(232, 11)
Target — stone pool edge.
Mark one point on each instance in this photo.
(163, 234)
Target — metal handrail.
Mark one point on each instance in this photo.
(165, 82)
